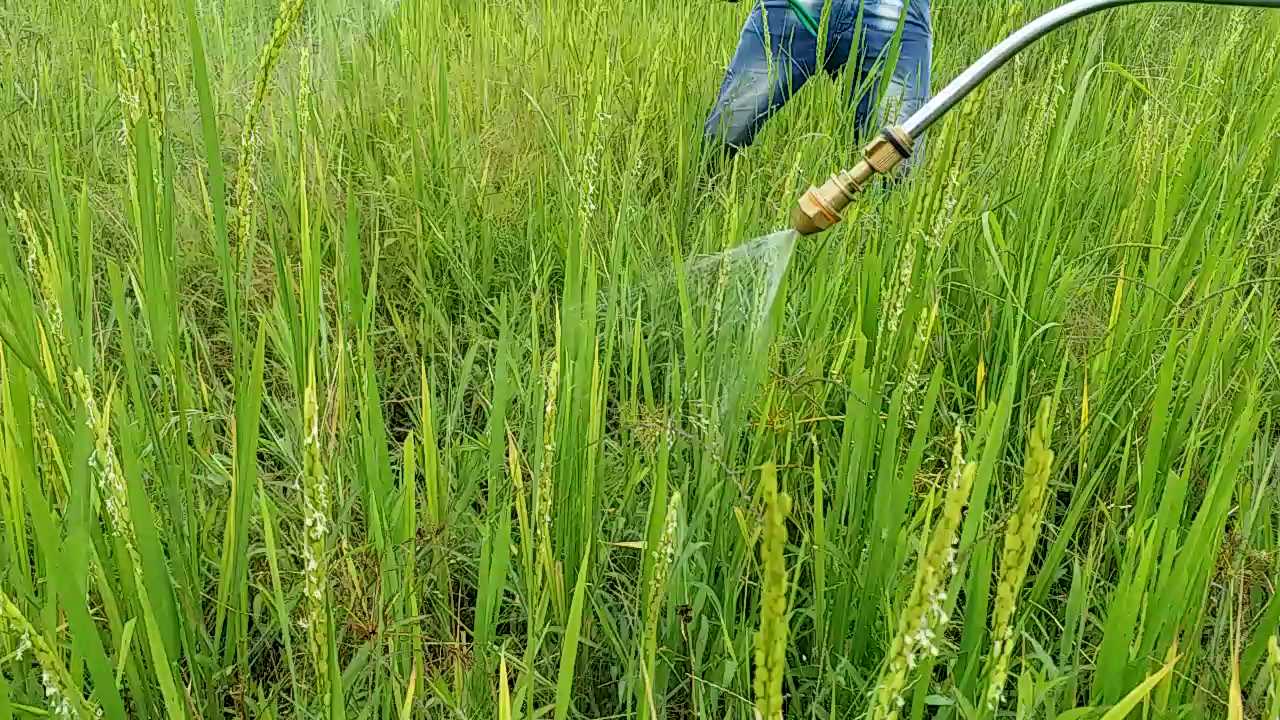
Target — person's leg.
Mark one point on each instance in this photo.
(776, 54)
(891, 100)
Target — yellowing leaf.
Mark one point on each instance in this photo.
(1121, 710)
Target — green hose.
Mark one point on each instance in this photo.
(804, 16)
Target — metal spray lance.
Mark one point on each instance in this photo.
(820, 207)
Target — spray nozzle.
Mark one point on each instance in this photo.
(819, 208)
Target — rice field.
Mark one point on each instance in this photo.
(372, 360)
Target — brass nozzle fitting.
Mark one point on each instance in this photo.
(819, 208)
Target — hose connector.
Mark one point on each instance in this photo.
(820, 207)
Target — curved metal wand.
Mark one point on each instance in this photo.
(820, 207)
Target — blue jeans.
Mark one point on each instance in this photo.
(861, 30)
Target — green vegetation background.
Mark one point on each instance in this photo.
(372, 381)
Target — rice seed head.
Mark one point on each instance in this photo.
(286, 18)
(315, 541)
(913, 377)
(139, 60)
(545, 481)
(1273, 665)
(549, 410)
(771, 640)
(60, 693)
(925, 617)
(590, 179)
(304, 89)
(147, 45)
(1019, 541)
(663, 558)
(1044, 108)
(111, 485)
(128, 93)
(944, 220)
(902, 289)
(43, 268)
(315, 486)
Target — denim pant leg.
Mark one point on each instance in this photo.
(751, 92)
(907, 87)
